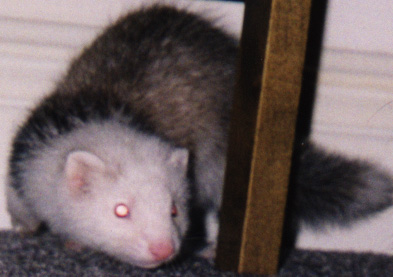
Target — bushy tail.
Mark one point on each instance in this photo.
(329, 188)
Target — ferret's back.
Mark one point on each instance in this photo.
(172, 67)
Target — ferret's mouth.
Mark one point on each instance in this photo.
(151, 264)
(147, 263)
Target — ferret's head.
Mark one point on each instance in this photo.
(129, 202)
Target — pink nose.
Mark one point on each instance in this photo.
(161, 250)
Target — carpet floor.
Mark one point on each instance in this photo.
(45, 255)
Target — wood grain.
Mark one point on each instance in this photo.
(262, 133)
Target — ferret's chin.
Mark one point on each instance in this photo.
(150, 265)
(147, 263)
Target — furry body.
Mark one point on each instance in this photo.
(141, 119)
(166, 78)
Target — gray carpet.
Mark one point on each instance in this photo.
(45, 255)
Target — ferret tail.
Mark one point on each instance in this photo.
(329, 188)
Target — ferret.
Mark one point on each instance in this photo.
(135, 135)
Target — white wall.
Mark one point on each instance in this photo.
(354, 105)
(354, 108)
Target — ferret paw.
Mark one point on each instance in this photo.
(22, 231)
(25, 229)
(208, 253)
(73, 246)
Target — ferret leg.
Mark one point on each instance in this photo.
(21, 218)
(212, 225)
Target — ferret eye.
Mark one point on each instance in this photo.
(174, 211)
(122, 210)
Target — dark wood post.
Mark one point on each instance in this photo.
(264, 115)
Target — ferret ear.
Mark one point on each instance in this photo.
(81, 169)
(179, 158)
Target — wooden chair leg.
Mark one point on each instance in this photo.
(262, 133)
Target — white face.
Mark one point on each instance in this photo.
(135, 210)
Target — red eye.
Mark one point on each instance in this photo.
(122, 210)
(174, 210)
